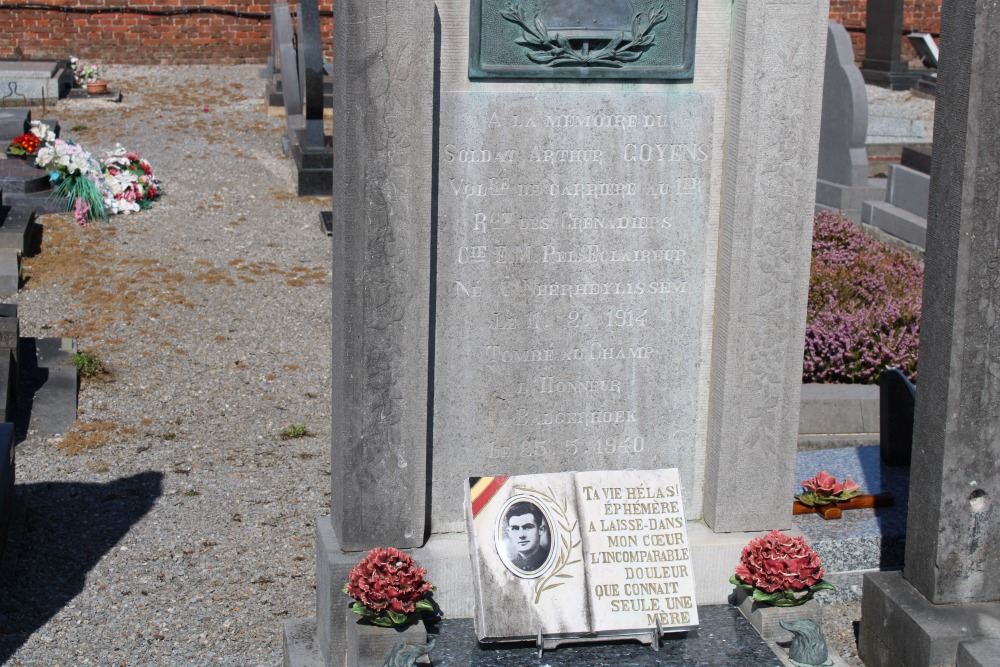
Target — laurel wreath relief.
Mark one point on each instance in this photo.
(557, 50)
(566, 542)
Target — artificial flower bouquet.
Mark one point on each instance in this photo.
(780, 570)
(131, 185)
(77, 177)
(824, 489)
(83, 74)
(120, 182)
(389, 588)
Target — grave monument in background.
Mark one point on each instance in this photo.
(555, 270)
(842, 182)
(944, 608)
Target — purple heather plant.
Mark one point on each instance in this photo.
(864, 306)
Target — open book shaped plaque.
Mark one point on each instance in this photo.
(586, 554)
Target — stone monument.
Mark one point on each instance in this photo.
(944, 608)
(883, 40)
(564, 272)
(842, 182)
(310, 147)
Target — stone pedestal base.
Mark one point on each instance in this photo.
(848, 199)
(446, 559)
(891, 74)
(315, 170)
(900, 628)
(369, 645)
(764, 618)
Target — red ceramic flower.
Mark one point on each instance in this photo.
(824, 489)
(778, 562)
(388, 580)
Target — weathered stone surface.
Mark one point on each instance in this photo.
(838, 408)
(299, 642)
(978, 653)
(949, 592)
(842, 172)
(570, 263)
(24, 82)
(899, 626)
(953, 534)
(763, 271)
(765, 618)
(369, 645)
(381, 272)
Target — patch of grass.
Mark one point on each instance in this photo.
(295, 431)
(87, 364)
(191, 493)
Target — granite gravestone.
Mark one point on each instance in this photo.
(883, 40)
(30, 82)
(896, 400)
(842, 182)
(538, 277)
(311, 149)
(7, 463)
(281, 33)
(904, 211)
(948, 594)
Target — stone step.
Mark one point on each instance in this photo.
(19, 177)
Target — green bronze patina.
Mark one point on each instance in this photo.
(582, 39)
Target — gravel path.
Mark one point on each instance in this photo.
(174, 525)
(182, 530)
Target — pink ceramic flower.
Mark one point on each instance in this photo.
(388, 580)
(779, 562)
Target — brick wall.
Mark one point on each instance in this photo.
(918, 16)
(144, 38)
(192, 38)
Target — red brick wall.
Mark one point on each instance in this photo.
(918, 15)
(138, 38)
(194, 38)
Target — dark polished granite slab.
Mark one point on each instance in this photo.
(723, 637)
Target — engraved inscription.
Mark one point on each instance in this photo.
(570, 278)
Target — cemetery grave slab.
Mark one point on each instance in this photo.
(49, 380)
(25, 82)
(26, 186)
(13, 122)
(7, 463)
(862, 539)
(723, 637)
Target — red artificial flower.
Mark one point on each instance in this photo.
(388, 580)
(779, 562)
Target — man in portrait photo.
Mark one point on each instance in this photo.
(527, 535)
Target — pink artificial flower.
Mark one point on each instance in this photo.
(80, 210)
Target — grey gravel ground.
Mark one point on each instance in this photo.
(187, 537)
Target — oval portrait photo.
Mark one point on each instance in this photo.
(525, 538)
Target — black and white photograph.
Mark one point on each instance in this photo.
(524, 537)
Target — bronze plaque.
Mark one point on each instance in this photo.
(582, 39)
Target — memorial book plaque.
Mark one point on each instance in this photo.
(587, 554)
(570, 284)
